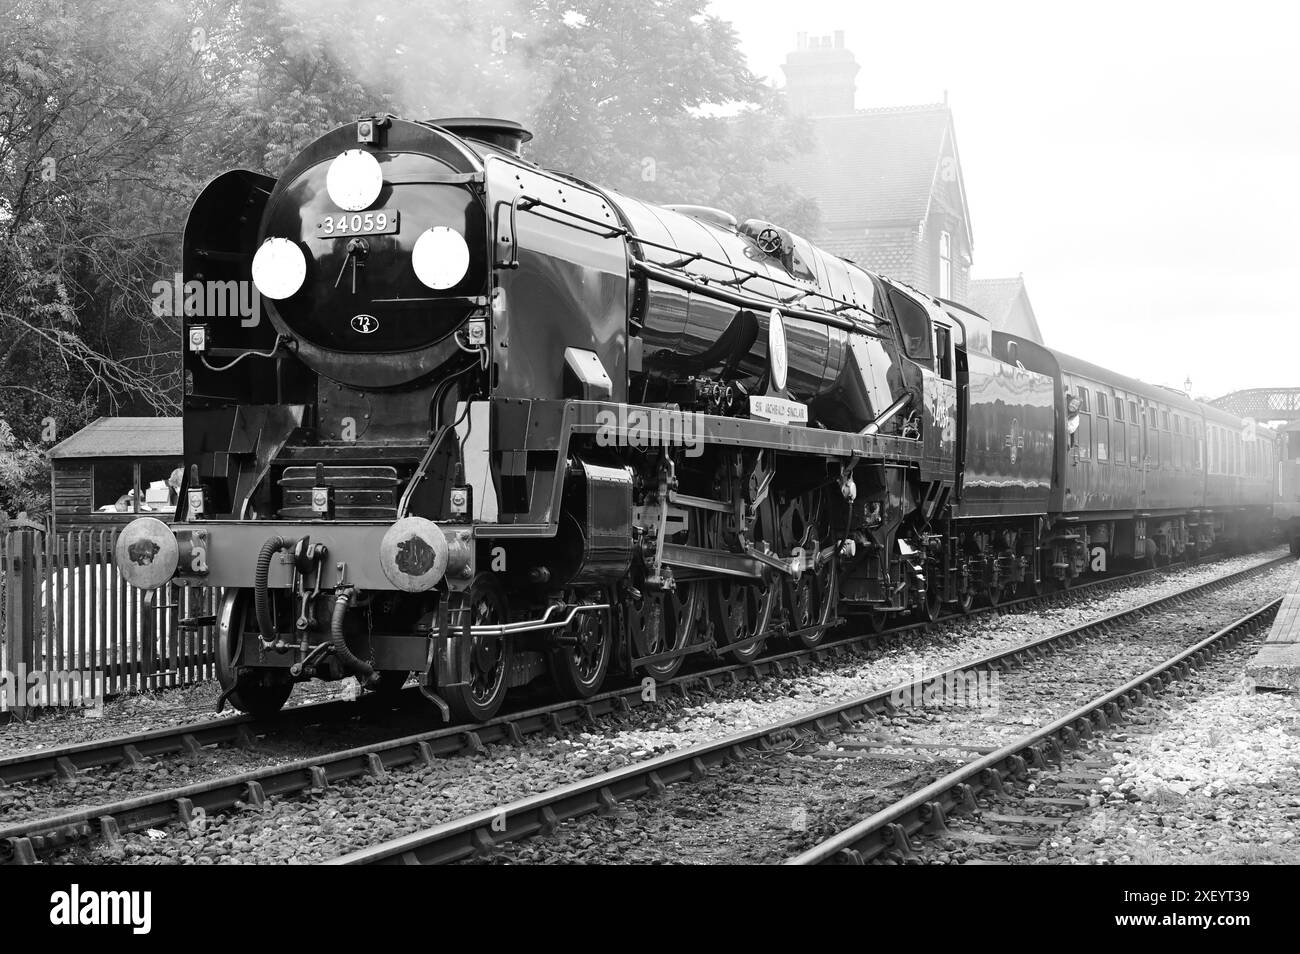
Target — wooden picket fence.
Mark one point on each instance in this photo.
(69, 623)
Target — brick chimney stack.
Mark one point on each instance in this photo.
(820, 76)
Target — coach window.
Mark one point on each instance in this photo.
(1134, 434)
(1179, 455)
(1153, 437)
(1083, 436)
(1118, 444)
(1103, 430)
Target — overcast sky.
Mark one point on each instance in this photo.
(1136, 161)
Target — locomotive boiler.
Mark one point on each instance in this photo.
(493, 423)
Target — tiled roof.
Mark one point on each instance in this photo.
(123, 437)
(874, 165)
(994, 298)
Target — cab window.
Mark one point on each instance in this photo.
(943, 350)
(914, 325)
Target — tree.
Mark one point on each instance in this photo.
(113, 116)
(659, 102)
(95, 104)
(655, 99)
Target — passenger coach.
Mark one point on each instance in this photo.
(1144, 471)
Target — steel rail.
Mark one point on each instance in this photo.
(542, 813)
(928, 808)
(128, 750)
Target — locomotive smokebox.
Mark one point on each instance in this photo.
(506, 134)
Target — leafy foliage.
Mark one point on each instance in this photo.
(112, 116)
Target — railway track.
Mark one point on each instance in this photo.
(29, 839)
(482, 832)
(131, 750)
(928, 813)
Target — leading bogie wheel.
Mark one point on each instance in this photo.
(483, 659)
(259, 692)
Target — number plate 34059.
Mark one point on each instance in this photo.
(383, 222)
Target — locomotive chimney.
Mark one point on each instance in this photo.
(820, 76)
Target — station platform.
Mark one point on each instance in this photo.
(1277, 664)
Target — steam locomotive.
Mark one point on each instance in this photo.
(494, 423)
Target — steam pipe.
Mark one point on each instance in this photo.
(888, 414)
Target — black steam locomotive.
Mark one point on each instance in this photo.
(495, 423)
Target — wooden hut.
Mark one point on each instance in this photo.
(114, 469)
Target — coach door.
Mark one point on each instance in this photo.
(1144, 454)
